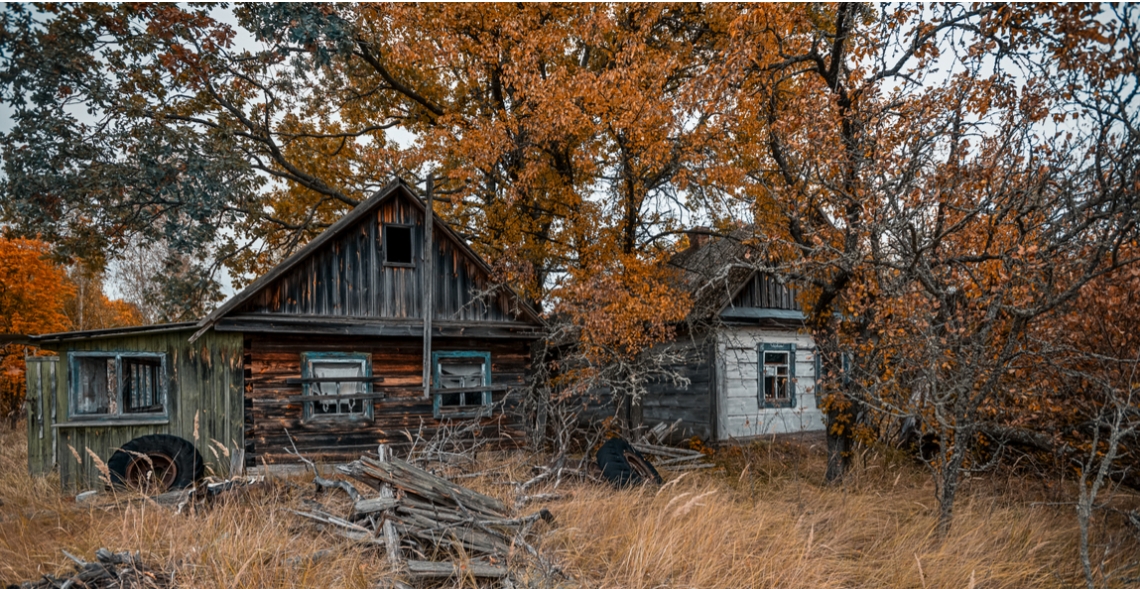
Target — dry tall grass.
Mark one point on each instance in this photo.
(764, 521)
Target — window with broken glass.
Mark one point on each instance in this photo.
(118, 385)
(777, 375)
(459, 378)
(336, 381)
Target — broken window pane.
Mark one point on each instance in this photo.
(141, 385)
(461, 373)
(776, 373)
(336, 375)
(118, 384)
(96, 384)
(333, 369)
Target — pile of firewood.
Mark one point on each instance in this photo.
(111, 570)
(428, 525)
(669, 457)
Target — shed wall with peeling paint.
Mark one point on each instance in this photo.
(203, 396)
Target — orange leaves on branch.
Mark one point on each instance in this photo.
(33, 295)
(624, 309)
(37, 296)
(33, 290)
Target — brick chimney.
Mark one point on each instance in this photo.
(698, 236)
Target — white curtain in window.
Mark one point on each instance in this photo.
(338, 370)
(459, 376)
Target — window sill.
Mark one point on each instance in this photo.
(463, 413)
(111, 422)
(334, 419)
(399, 265)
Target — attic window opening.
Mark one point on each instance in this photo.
(398, 245)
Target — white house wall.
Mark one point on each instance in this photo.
(739, 412)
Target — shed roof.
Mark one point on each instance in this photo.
(111, 332)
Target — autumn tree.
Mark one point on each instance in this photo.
(86, 168)
(936, 215)
(89, 307)
(566, 135)
(33, 297)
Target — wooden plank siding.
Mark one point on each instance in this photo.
(741, 413)
(41, 374)
(271, 359)
(347, 277)
(204, 402)
(763, 291)
(692, 403)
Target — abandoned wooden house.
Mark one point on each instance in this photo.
(751, 366)
(327, 349)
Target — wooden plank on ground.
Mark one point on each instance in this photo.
(426, 569)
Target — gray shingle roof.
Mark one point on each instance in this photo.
(714, 272)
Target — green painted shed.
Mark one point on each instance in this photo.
(199, 392)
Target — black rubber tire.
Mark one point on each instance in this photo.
(181, 452)
(624, 466)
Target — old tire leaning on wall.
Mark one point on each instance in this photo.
(156, 463)
(623, 466)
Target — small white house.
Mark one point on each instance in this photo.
(750, 363)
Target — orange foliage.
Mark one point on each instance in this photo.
(37, 296)
(33, 290)
(33, 293)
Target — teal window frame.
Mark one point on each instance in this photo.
(163, 386)
(307, 359)
(437, 406)
(762, 393)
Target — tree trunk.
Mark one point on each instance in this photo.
(951, 479)
(839, 443)
(837, 404)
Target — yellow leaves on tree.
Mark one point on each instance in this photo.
(33, 290)
(33, 295)
(38, 296)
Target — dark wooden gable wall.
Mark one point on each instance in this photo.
(348, 277)
(763, 291)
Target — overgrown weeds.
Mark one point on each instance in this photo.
(764, 519)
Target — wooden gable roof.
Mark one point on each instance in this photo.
(341, 275)
(725, 278)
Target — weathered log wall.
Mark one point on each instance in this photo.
(271, 359)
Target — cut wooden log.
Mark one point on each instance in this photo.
(426, 569)
(374, 505)
(679, 460)
(332, 520)
(665, 451)
(434, 489)
(388, 529)
(690, 466)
